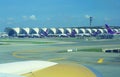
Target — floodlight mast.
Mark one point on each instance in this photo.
(90, 20)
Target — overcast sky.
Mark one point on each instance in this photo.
(58, 13)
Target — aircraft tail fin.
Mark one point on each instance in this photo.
(109, 29)
(73, 33)
(45, 33)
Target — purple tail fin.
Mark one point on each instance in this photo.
(109, 29)
(73, 33)
(45, 33)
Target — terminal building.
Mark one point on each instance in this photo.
(57, 32)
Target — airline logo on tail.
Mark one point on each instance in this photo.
(45, 33)
(73, 33)
(110, 31)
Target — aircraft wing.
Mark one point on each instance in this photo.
(24, 67)
(44, 69)
(9, 75)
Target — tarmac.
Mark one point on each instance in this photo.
(108, 64)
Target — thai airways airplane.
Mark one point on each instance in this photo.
(110, 31)
(45, 69)
(73, 33)
(45, 33)
(63, 35)
(95, 33)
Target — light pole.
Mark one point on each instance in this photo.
(90, 20)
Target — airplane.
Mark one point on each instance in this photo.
(36, 68)
(72, 34)
(14, 69)
(44, 33)
(35, 35)
(110, 31)
(8, 75)
(95, 33)
(3, 35)
(63, 35)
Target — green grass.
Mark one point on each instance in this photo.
(83, 50)
(25, 42)
(4, 44)
(91, 50)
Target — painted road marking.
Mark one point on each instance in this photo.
(101, 60)
(16, 54)
(56, 59)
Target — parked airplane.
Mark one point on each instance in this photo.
(3, 35)
(63, 35)
(95, 33)
(72, 33)
(44, 33)
(110, 31)
(35, 35)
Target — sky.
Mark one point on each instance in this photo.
(58, 13)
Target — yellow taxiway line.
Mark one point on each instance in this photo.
(101, 60)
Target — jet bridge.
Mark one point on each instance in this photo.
(111, 50)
